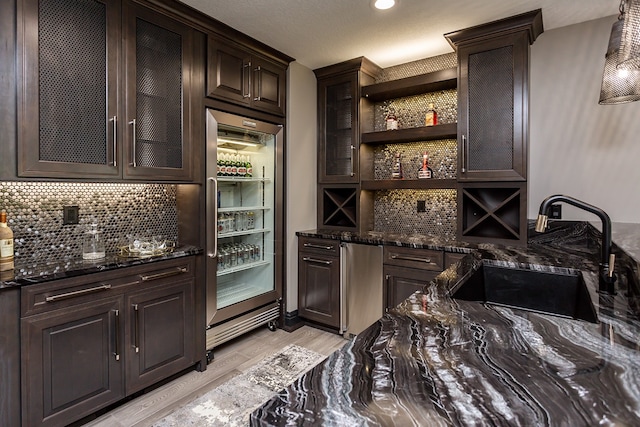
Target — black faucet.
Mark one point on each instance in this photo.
(606, 277)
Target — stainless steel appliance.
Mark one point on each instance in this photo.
(244, 240)
(361, 287)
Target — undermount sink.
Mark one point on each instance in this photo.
(559, 294)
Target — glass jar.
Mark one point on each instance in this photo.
(93, 244)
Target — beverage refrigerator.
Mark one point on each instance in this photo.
(244, 225)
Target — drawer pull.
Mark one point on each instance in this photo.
(411, 258)
(54, 298)
(311, 245)
(318, 261)
(149, 277)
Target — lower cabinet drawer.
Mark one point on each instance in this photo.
(424, 259)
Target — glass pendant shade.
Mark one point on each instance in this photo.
(629, 55)
(618, 85)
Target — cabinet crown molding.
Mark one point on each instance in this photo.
(531, 22)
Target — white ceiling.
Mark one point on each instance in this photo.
(323, 32)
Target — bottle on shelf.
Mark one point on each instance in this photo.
(249, 173)
(397, 172)
(234, 165)
(431, 118)
(6, 244)
(242, 166)
(424, 171)
(391, 120)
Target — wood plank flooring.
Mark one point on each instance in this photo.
(230, 359)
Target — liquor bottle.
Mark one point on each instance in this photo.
(219, 165)
(249, 167)
(6, 244)
(396, 172)
(223, 165)
(431, 118)
(424, 171)
(391, 120)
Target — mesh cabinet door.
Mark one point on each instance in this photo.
(67, 101)
(158, 66)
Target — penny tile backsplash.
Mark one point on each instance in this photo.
(35, 214)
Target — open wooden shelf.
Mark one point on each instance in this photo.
(492, 213)
(425, 133)
(429, 82)
(408, 184)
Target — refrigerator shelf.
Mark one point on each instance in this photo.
(241, 179)
(243, 233)
(247, 266)
(244, 208)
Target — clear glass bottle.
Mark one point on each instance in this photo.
(431, 117)
(396, 172)
(391, 120)
(93, 244)
(6, 244)
(424, 171)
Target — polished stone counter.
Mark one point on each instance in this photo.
(31, 273)
(435, 360)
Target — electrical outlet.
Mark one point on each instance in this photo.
(70, 215)
(556, 211)
(422, 206)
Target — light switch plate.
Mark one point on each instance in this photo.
(70, 215)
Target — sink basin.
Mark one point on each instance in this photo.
(559, 294)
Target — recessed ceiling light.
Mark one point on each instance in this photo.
(384, 4)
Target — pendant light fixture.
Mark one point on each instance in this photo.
(629, 55)
(619, 85)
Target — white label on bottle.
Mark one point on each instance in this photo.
(6, 248)
(424, 174)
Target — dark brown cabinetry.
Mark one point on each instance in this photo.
(237, 75)
(340, 109)
(319, 280)
(407, 270)
(79, 115)
(91, 340)
(493, 126)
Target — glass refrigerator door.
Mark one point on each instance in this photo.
(245, 215)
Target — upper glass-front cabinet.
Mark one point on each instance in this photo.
(338, 156)
(76, 118)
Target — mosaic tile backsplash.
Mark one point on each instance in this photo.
(395, 211)
(35, 214)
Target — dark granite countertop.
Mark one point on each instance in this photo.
(32, 273)
(435, 360)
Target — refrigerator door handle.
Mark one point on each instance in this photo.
(212, 236)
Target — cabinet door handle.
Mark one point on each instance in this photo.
(212, 237)
(66, 295)
(259, 78)
(246, 81)
(311, 245)
(116, 328)
(411, 258)
(114, 129)
(463, 154)
(353, 160)
(136, 329)
(149, 277)
(133, 144)
(318, 261)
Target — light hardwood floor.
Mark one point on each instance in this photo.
(230, 359)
